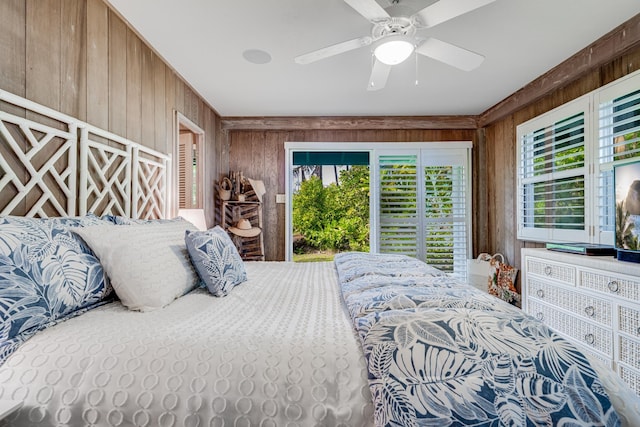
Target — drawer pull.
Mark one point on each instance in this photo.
(540, 315)
(548, 270)
(540, 293)
(613, 286)
(590, 310)
(590, 338)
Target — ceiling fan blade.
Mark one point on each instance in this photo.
(369, 9)
(332, 50)
(444, 10)
(450, 54)
(379, 76)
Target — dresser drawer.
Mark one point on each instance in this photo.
(586, 333)
(629, 320)
(612, 284)
(587, 306)
(630, 376)
(629, 351)
(549, 269)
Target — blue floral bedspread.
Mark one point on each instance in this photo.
(442, 353)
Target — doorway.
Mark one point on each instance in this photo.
(189, 170)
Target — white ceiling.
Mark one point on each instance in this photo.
(204, 41)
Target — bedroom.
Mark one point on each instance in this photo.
(82, 59)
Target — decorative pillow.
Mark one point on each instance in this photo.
(148, 265)
(216, 259)
(47, 274)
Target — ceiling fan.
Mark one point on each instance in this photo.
(394, 38)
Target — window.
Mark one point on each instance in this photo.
(566, 160)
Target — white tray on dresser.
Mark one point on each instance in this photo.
(594, 301)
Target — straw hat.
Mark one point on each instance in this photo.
(244, 229)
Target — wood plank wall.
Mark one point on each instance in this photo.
(79, 57)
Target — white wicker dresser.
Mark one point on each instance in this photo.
(594, 301)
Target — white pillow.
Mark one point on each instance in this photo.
(148, 265)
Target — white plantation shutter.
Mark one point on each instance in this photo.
(189, 172)
(424, 205)
(182, 174)
(446, 209)
(398, 178)
(618, 113)
(553, 174)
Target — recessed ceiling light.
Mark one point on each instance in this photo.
(256, 56)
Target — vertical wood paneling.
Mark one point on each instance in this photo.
(211, 166)
(160, 105)
(147, 122)
(117, 75)
(270, 178)
(73, 63)
(171, 103)
(281, 207)
(43, 55)
(179, 97)
(97, 101)
(13, 46)
(480, 196)
(134, 86)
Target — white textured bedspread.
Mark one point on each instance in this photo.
(278, 351)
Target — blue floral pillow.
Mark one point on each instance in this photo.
(47, 274)
(216, 260)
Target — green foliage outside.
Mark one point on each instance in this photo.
(335, 217)
(630, 148)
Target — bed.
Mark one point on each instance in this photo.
(113, 316)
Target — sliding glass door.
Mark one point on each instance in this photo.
(420, 197)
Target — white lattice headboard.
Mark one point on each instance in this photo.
(52, 164)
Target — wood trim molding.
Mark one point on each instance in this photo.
(610, 46)
(349, 123)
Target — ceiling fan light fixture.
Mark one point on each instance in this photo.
(394, 50)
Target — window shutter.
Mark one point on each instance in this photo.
(182, 174)
(619, 143)
(398, 211)
(189, 172)
(552, 175)
(445, 211)
(424, 206)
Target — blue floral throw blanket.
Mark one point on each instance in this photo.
(442, 353)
